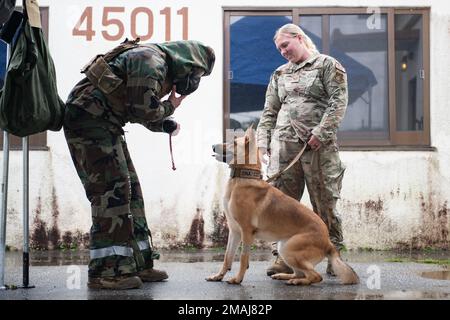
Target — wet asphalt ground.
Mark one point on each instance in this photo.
(384, 275)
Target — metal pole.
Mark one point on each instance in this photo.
(4, 208)
(4, 200)
(26, 256)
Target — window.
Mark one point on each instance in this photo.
(384, 51)
(409, 74)
(252, 60)
(36, 141)
(364, 52)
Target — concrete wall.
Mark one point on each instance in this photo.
(389, 198)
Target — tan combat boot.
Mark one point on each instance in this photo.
(115, 283)
(330, 270)
(152, 275)
(279, 266)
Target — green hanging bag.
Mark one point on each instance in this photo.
(29, 100)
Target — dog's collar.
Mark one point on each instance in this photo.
(245, 173)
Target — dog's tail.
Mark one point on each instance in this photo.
(345, 273)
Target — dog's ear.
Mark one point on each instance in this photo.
(249, 130)
(250, 133)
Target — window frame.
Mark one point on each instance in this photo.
(36, 141)
(404, 140)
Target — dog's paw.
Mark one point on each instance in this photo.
(215, 277)
(234, 280)
(282, 276)
(298, 282)
(275, 276)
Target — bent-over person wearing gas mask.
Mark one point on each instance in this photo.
(126, 85)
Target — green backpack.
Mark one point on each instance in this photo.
(29, 101)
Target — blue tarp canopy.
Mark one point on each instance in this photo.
(2, 62)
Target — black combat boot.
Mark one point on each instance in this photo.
(123, 282)
(152, 275)
(279, 266)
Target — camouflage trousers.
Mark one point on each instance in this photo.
(322, 172)
(119, 236)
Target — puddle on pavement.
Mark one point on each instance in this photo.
(437, 275)
(81, 257)
(404, 295)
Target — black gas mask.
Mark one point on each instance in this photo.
(189, 84)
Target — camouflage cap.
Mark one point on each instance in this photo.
(186, 55)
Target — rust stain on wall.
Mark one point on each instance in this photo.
(196, 235)
(54, 235)
(433, 230)
(219, 236)
(171, 241)
(367, 222)
(39, 236)
(443, 222)
(44, 238)
(81, 239)
(168, 227)
(72, 240)
(372, 212)
(67, 240)
(373, 206)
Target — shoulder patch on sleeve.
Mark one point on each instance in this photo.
(339, 77)
(340, 73)
(340, 67)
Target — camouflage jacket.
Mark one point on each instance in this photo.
(304, 99)
(149, 71)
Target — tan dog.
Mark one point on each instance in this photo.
(255, 209)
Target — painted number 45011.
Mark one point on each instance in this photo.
(114, 28)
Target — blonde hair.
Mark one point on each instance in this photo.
(294, 30)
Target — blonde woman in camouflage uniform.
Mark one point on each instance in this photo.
(126, 85)
(305, 103)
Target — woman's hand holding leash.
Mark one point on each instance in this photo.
(261, 153)
(314, 143)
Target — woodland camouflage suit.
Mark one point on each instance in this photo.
(137, 76)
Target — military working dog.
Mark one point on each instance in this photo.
(256, 210)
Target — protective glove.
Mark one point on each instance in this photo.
(170, 126)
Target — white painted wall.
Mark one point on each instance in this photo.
(388, 197)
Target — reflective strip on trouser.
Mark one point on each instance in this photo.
(143, 245)
(111, 251)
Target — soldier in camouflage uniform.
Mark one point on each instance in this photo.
(125, 85)
(305, 103)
